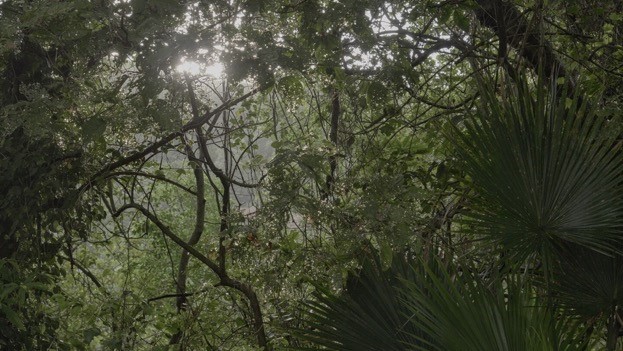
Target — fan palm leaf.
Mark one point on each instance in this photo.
(435, 308)
(544, 169)
(589, 283)
(368, 316)
(461, 312)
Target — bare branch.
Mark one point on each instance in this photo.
(167, 231)
(153, 176)
(195, 123)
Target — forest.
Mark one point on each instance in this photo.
(365, 175)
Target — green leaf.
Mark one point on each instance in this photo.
(420, 305)
(167, 117)
(376, 93)
(290, 86)
(545, 171)
(369, 316)
(7, 289)
(385, 254)
(90, 333)
(463, 313)
(445, 14)
(588, 282)
(93, 129)
(461, 20)
(12, 317)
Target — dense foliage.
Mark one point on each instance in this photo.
(346, 175)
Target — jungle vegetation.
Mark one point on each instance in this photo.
(311, 174)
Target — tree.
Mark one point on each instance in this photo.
(151, 200)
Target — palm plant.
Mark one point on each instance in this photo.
(590, 284)
(433, 307)
(464, 312)
(545, 170)
(370, 316)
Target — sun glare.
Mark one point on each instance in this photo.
(215, 70)
(189, 67)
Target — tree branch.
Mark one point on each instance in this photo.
(512, 28)
(207, 117)
(153, 176)
(176, 239)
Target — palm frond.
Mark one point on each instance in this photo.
(544, 169)
(463, 313)
(433, 307)
(588, 282)
(368, 316)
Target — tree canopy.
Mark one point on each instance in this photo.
(311, 174)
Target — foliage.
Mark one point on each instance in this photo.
(370, 315)
(545, 171)
(434, 307)
(188, 174)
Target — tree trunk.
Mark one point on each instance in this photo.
(513, 29)
(612, 334)
(258, 318)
